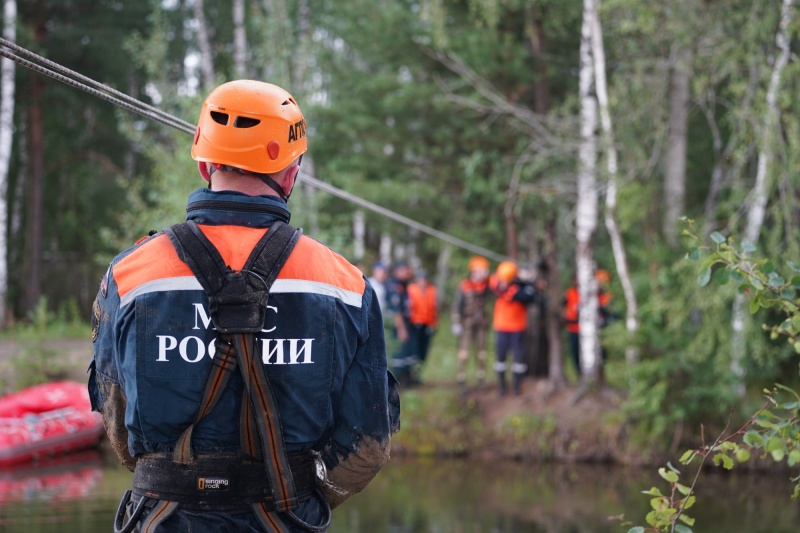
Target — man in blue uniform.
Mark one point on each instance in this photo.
(240, 367)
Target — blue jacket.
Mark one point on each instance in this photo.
(322, 343)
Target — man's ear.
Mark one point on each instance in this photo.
(202, 167)
(289, 179)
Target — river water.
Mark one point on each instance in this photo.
(80, 494)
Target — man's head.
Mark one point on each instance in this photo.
(478, 268)
(250, 132)
(402, 272)
(379, 271)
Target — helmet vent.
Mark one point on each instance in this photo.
(245, 122)
(220, 118)
(290, 101)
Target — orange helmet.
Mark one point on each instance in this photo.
(507, 271)
(250, 125)
(602, 276)
(477, 262)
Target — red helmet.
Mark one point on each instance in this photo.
(250, 125)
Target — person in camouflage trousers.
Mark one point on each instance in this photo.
(471, 320)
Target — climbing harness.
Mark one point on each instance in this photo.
(263, 477)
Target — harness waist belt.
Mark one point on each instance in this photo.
(217, 481)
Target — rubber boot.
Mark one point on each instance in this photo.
(517, 384)
(501, 378)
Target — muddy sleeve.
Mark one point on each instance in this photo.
(368, 415)
(105, 386)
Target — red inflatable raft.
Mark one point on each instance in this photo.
(46, 420)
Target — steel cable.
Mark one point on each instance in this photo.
(58, 72)
(104, 92)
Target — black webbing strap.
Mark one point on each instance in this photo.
(237, 305)
(237, 299)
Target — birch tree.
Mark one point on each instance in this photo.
(587, 204)
(6, 134)
(675, 164)
(204, 43)
(617, 245)
(759, 195)
(239, 40)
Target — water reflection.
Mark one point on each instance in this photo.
(76, 492)
(80, 493)
(458, 497)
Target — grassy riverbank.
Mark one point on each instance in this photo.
(566, 425)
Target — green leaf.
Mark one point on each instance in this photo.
(794, 457)
(748, 247)
(694, 254)
(717, 237)
(778, 455)
(754, 306)
(753, 438)
(756, 283)
(704, 276)
(737, 276)
(774, 443)
(683, 489)
(796, 282)
(652, 492)
(637, 529)
(742, 455)
(687, 457)
(793, 266)
(775, 280)
(689, 503)
(727, 462)
(669, 465)
(680, 528)
(722, 276)
(670, 476)
(788, 293)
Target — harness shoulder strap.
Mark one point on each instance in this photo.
(237, 300)
(237, 305)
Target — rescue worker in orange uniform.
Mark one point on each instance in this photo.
(571, 314)
(510, 322)
(240, 366)
(571, 307)
(470, 319)
(424, 315)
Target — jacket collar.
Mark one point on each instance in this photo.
(219, 208)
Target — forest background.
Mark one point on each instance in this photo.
(573, 134)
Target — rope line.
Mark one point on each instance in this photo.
(88, 85)
(74, 79)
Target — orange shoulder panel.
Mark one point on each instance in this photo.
(310, 260)
(155, 259)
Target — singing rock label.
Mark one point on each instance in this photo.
(212, 483)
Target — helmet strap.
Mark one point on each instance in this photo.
(266, 178)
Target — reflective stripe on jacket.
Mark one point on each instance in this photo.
(322, 345)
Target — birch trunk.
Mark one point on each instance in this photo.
(206, 53)
(759, 195)
(587, 204)
(359, 231)
(6, 135)
(239, 40)
(675, 165)
(617, 245)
